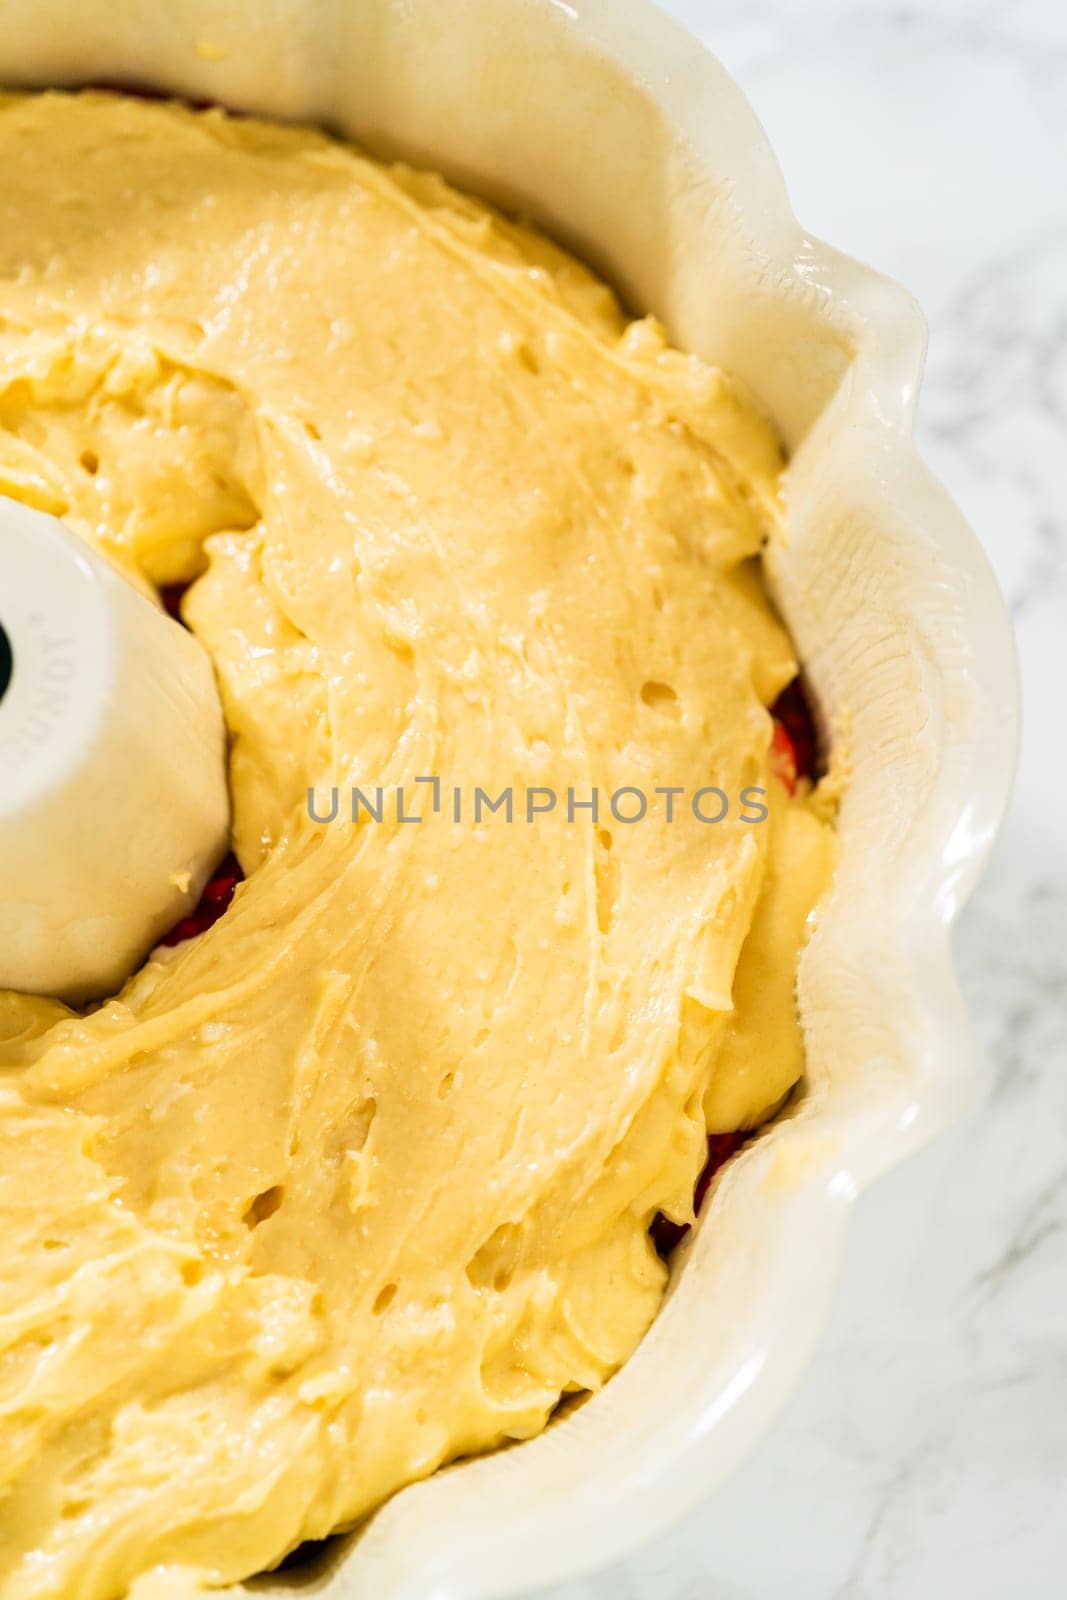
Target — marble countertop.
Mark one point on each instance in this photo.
(926, 1453)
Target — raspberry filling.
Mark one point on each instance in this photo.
(793, 756)
(721, 1146)
(218, 891)
(171, 597)
(784, 757)
(794, 726)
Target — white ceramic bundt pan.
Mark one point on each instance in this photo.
(616, 131)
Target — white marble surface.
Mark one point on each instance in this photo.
(925, 1455)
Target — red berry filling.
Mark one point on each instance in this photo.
(792, 714)
(171, 596)
(218, 892)
(784, 758)
(794, 748)
(721, 1146)
(145, 91)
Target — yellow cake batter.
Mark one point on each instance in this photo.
(360, 1180)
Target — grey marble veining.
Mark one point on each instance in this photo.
(926, 1453)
